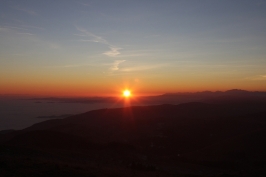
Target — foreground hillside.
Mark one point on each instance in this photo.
(192, 139)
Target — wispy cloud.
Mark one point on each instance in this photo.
(10, 28)
(257, 78)
(116, 64)
(94, 37)
(14, 30)
(114, 50)
(133, 54)
(69, 66)
(35, 27)
(21, 29)
(27, 36)
(143, 67)
(25, 25)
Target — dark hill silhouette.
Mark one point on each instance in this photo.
(203, 139)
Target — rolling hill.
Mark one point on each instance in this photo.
(217, 138)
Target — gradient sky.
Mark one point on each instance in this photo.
(98, 47)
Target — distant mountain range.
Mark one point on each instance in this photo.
(169, 98)
(222, 136)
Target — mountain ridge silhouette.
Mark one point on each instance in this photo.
(210, 138)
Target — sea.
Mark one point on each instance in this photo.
(17, 113)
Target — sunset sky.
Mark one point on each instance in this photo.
(98, 47)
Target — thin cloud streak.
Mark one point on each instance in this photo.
(24, 24)
(94, 37)
(257, 78)
(116, 64)
(136, 53)
(10, 28)
(23, 29)
(28, 37)
(114, 50)
(35, 27)
(70, 66)
(141, 68)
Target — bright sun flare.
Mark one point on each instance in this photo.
(126, 93)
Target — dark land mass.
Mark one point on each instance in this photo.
(55, 116)
(222, 135)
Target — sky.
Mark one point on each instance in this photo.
(99, 47)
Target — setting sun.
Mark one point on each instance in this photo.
(126, 93)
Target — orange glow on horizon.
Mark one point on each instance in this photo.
(56, 88)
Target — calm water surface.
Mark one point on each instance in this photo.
(22, 113)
